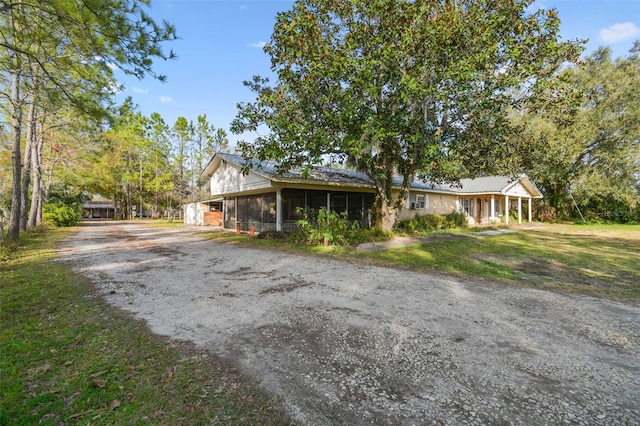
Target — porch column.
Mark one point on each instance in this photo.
(328, 202)
(493, 208)
(506, 208)
(278, 210)
(519, 209)
(530, 202)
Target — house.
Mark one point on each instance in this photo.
(99, 209)
(263, 200)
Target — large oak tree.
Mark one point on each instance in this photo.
(588, 152)
(397, 87)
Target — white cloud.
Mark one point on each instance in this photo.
(139, 90)
(619, 32)
(259, 44)
(166, 99)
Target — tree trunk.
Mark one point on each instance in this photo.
(35, 214)
(26, 168)
(13, 228)
(386, 214)
(387, 207)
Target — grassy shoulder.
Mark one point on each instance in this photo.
(67, 357)
(596, 260)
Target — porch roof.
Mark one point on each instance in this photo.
(99, 205)
(498, 185)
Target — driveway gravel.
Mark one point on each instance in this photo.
(344, 343)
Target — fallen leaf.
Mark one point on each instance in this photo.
(99, 373)
(114, 404)
(169, 374)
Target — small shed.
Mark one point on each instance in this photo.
(99, 209)
(204, 213)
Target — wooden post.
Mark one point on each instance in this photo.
(506, 208)
(519, 209)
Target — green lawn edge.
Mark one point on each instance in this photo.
(67, 357)
(595, 260)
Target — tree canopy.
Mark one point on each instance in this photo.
(590, 156)
(142, 161)
(60, 54)
(396, 87)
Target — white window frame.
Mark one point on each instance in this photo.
(467, 205)
(418, 201)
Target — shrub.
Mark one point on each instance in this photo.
(431, 222)
(329, 228)
(60, 214)
(458, 219)
(545, 213)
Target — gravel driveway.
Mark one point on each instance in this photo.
(349, 344)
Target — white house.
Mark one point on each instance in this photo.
(262, 199)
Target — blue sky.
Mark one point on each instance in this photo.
(221, 42)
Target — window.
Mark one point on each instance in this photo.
(417, 201)
(467, 206)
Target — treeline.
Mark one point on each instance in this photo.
(148, 167)
(583, 144)
(57, 83)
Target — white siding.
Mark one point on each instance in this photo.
(518, 191)
(228, 179)
(194, 213)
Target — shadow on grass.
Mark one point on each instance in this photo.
(597, 265)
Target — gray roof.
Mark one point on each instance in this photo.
(322, 174)
(487, 184)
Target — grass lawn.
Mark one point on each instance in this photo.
(602, 261)
(596, 260)
(66, 357)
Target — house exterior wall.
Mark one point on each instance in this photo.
(194, 213)
(228, 179)
(442, 203)
(435, 203)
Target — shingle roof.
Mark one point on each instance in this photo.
(268, 169)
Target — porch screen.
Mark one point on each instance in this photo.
(291, 200)
(230, 209)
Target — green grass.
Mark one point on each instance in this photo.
(596, 260)
(66, 357)
(602, 261)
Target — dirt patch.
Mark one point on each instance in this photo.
(349, 344)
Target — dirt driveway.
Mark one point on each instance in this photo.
(350, 344)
